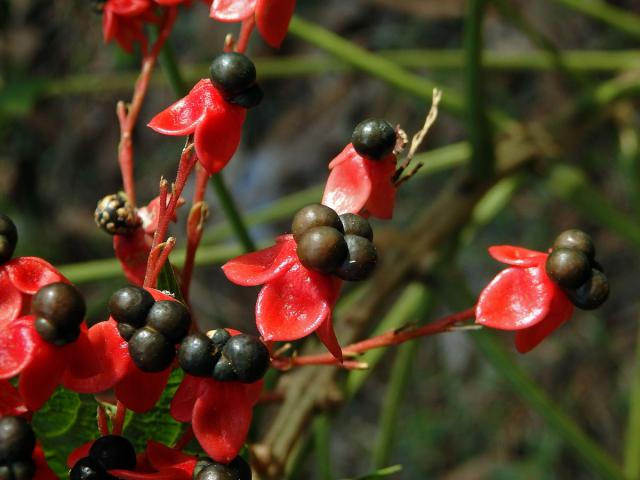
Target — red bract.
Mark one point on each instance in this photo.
(215, 124)
(272, 17)
(137, 390)
(294, 301)
(158, 462)
(11, 403)
(523, 298)
(358, 184)
(123, 21)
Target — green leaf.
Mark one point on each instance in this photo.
(383, 472)
(167, 281)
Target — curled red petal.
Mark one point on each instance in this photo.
(182, 117)
(349, 185)
(327, 336)
(83, 360)
(78, 453)
(217, 135)
(260, 267)
(18, 347)
(43, 471)
(293, 305)
(130, 389)
(129, 8)
(382, 200)
(232, 10)
(160, 456)
(272, 19)
(11, 403)
(221, 417)
(10, 300)
(132, 251)
(167, 474)
(516, 298)
(185, 398)
(30, 274)
(559, 312)
(517, 256)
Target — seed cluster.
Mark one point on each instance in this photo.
(242, 358)
(152, 328)
(374, 138)
(207, 469)
(110, 452)
(334, 244)
(572, 265)
(8, 238)
(59, 309)
(234, 74)
(17, 442)
(115, 215)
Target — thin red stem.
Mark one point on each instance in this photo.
(103, 424)
(118, 420)
(245, 34)
(185, 438)
(389, 338)
(165, 249)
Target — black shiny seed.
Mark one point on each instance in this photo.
(361, 260)
(88, 468)
(248, 356)
(114, 452)
(232, 73)
(223, 371)
(219, 337)
(8, 238)
(17, 439)
(216, 471)
(170, 318)
(115, 215)
(374, 138)
(322, 249)
(201, 464)
(578, 240)
(197, 355)
(150, 350)
(314, 215)
(126, 331)
(55, 335)
(249, 98)
(593, 293)
(237, 469)
(353, 224)
(20, 470)
(569, 268)
(130, 305)
(60, 303)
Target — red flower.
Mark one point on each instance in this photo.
(158, 462)
(358, 184)
(294, 301)
(272, 17)
(11, 403)
(215, 123)
(523, 298)
(123, 21)
(137, 390)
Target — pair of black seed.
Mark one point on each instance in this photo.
(8, 238)
(115, 215)
(151, 328)
(17, 442)
(207, 469)
(374, 138)
(111, 452)
(334, 244)
(572, 265)
(243, 358)
(59, 309)
(234, 75)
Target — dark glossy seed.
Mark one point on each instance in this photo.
(150, 350)
(361, 260)
(17, 440)
(131, 305)
(126, 331)
(374, 138)
(593, 293)
(219, 337)
(248, 356)
(8, 238)
(223, 371)
(322, 249)
(115, 215)
(89, 469)
(201, 464)
(232, 73)
(20, 470)
(113, 452)
(569, 268)
(170, 318)
(314, 215)
(55, 335)
(197, 355)
(249, 98)
(578, 240)
(353, 224)
(60, 303)
(216, 471)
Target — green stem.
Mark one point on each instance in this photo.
(632, 439)
(478, 128)
(623, 20)
(322, 443)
